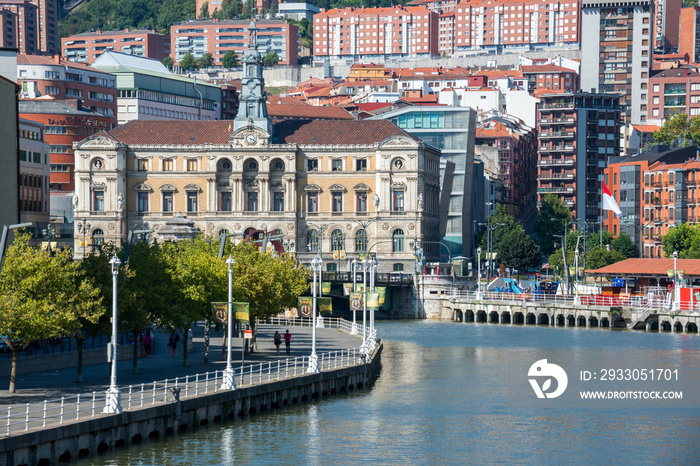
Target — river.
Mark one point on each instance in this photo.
(455, 393)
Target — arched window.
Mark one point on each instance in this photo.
(361, 241)
(224, 165)
(223, 231)
(98, 239)
(337, 240)
(313, 243)
(398, 240)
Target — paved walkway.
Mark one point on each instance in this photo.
(37, 387)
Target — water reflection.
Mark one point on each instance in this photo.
(458, 393)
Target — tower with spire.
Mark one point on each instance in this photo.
(252, 109)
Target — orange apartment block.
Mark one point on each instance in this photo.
(364, 71)
(656, 191)
(86, 47)
(376, 32)
(551, 77)
(689, 35)
(220, 36)
(20, 25)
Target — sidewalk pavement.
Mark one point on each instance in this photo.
(37, 387)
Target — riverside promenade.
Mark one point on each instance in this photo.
(52, 385)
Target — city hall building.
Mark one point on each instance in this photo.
(326, 185)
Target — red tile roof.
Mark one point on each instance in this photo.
(176, 132)
(639, 267)
(335, 132)
(646, 128)
(498, 130)
(326, 132)
(372, 106)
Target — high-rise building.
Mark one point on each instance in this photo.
(20, 25)
(689, 35)
(577, 134)
(87, 46)
(35, 24)
(9, 152)
(676, 90)
(617, 57)
(667, 25)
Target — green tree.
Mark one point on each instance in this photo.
(188, 62)
(550, 220)
(200, 278)
(624, 245)
(168, 62)
(685, 239)
(271, 58)
(518, 251)
(270, 284)
(679, 128)
(273, 10)
(42, 297)
(204, 11)
(230, 60)
(600, 257)
(206, 60)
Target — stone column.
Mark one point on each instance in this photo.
(211, 195)
(648, 327)
(588, 322)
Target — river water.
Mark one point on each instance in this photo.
(455, 393)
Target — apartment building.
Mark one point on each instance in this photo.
(577, 133)
(20, 26)
(33, 173)
(618, 57)
(146, 90)
(510, 146)
(87, 46)
(221, 36)
(672, 91)
(689, 34)
(61, 79)
(548, 78)
(655, 191)
(65, 122)
(34, 24)
(392, 32)
(667, 25)
(9, 123)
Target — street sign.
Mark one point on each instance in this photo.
(248, 334)
(546, 266)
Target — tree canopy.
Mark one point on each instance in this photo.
(230, 60)
(678, 128)
(42, 296)
(271, 58)
(551, 218)
(206, 60)
(685, 239)
(513, 247)
(188, 62)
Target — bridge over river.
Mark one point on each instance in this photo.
(586, 311)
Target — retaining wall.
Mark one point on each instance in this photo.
(109, 431)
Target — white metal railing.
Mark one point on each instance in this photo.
(640, 304)
(23, 417)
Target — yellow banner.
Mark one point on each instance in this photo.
(242, 312)
(305, 306)
(325, 304)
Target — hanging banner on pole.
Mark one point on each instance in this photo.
(325, 304)
(241, 312)
(373, 300)
(347, 288)
(305, 306)
(356, 301)
(382, 293)
(219, 312)
(326, 287)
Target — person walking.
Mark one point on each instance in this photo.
(147, 342)
(287, 341)
(172, 343)
(278, 341)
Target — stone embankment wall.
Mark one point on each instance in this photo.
(109, 431)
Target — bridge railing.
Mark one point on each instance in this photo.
(640, 304)
(24, 417)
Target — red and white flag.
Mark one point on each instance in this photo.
(609, 202)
